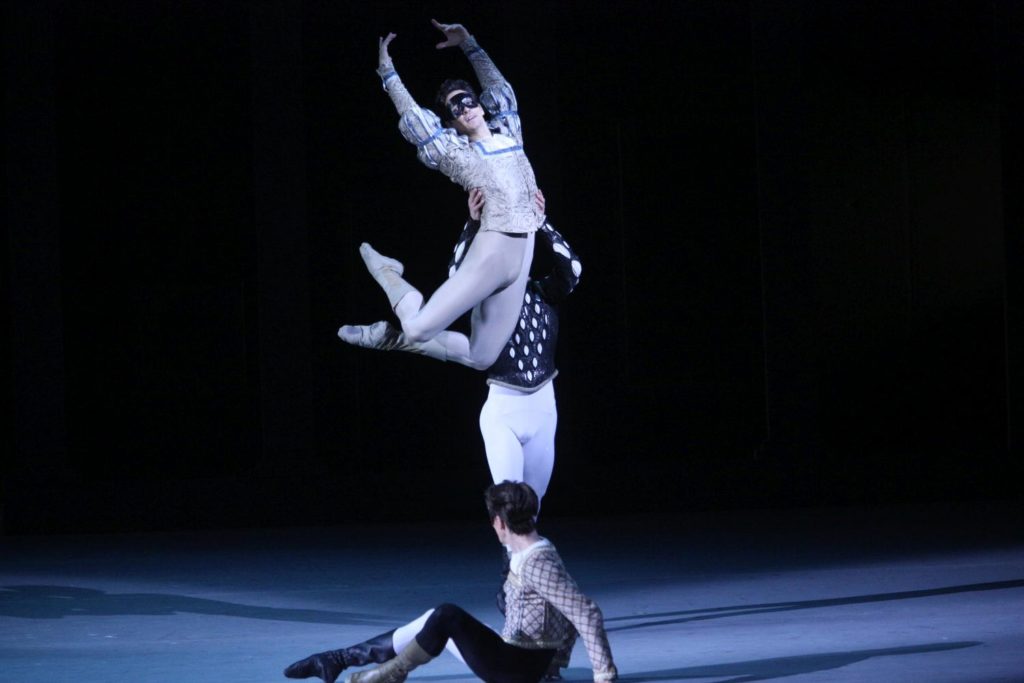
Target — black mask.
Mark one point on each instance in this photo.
(460, 103)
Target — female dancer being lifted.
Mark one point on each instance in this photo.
(492, 278)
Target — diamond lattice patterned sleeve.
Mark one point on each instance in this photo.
(546, 575)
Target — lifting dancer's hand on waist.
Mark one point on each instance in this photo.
(476, 203)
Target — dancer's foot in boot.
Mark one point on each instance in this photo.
(323, 665)
(327, 665)
(377, 262)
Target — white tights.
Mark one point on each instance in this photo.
(519, 435)
(491, 281)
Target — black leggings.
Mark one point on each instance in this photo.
(490, 658)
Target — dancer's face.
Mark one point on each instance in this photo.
(466, 110)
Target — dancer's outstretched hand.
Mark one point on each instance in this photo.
(382, 50)
(476, 202)
(454, 33)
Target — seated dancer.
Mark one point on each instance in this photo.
(493, 276)
(546, 610)
(519, 418)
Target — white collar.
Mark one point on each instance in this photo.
(519, 557)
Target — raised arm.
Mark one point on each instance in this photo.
(457, 35)
(418, 125)
(497, 95)
(393, 85)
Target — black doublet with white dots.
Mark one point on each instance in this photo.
(528, 360)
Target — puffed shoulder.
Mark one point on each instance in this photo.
(499, 99)
(500, 102)
(434, 142)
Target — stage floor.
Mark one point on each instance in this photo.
(928, 593)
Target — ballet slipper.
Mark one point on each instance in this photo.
(384, 336)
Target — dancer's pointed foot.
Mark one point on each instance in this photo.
(375, 261)
(324, 665)
(384, 336)
(380, 335)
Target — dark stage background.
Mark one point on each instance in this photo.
(800, 224)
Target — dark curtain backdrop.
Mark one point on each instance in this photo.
(799, 223)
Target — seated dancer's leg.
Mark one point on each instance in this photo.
(405, 635)
(328, 665)
(491, 280)
(486, 654)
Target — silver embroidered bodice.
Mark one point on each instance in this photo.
(498, 165)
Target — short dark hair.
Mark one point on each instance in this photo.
(446, 89)
(515, 502)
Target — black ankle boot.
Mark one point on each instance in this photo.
(324, 665)
(328, 665)
(376, 650)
